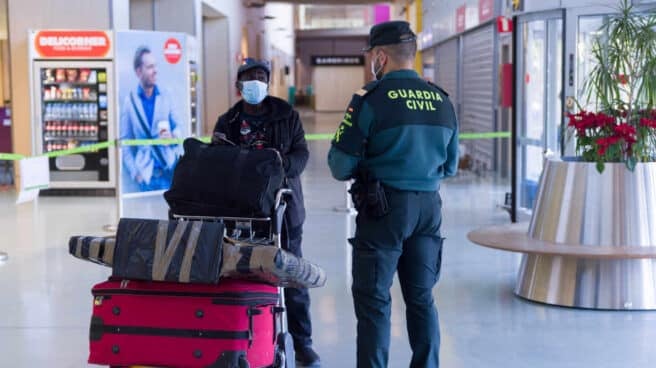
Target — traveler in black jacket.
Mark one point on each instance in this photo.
(260, 121)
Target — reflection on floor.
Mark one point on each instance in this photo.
(45, 301)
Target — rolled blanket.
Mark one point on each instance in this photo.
(269, 264)
(96, 249)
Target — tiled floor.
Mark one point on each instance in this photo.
(45, 301)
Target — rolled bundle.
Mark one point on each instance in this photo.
(269, 264)
(192, 252)
(96, 249)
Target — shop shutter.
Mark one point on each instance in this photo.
(446, 63)
(477, 105)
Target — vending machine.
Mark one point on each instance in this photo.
(73, 105)
(87, 89)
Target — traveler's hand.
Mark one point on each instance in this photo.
(165, 134)
(285, 159)
(276, 151)
(139, 179)
(221, 139)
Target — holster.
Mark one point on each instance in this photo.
(369, 195)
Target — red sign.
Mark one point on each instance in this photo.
(506, 85)
(504, 24)
(460, 18)
(485, 10)
(72, 44)
(172, 50)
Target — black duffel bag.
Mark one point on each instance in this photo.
(174, 251)
(226, 181)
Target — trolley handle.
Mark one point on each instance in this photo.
(280, 194)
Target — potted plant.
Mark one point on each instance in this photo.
(605, 199)
(622, 90)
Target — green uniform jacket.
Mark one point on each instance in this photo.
(402, 129)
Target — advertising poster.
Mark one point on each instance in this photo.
(152, 89)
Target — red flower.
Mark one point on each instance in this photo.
(616, 132)
(602, 120)
(649, 123)
(609, 121)
(601, 150)
(588, 120)
(605, 142)
(575, 118)
(622, 79)
(625, 130)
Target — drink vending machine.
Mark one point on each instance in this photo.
(73, 105)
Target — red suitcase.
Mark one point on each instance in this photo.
(184, 325)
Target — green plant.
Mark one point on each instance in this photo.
(622, 88)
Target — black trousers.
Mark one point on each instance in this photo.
(406, 242)
(297, 301)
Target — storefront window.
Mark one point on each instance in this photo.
(540, 102)
(589, 32)
(534, 78)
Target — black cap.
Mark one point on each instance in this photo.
(390, 33)
(250, 63)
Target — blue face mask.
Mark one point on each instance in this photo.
(253, 91)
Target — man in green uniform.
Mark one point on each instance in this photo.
(398, 139)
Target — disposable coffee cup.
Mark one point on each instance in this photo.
(163, 125)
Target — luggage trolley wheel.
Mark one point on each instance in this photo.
(284, 354)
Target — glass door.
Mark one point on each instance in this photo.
(539, 104)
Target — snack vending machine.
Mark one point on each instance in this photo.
(73, 105)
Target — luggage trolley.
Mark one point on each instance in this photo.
(265, 231)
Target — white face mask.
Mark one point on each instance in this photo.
(377, 74)
(254, 91)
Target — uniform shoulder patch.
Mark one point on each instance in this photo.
(367, 88)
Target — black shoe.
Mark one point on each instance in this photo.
(306, 357)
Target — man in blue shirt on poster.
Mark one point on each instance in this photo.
(148, 113)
